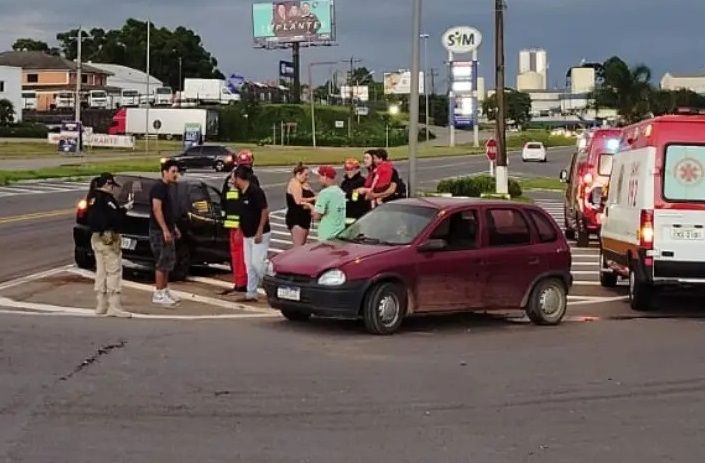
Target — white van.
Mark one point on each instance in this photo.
(64, 100)
(98, 99)
(29, 101)
(653, 229)
(129, 98)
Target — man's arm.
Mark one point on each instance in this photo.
(385, 194)
(320, 208)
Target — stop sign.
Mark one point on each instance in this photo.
(491, 149)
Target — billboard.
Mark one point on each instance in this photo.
(399, 83)
(293, 21)
(359, 92)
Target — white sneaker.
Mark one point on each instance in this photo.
(172, 296)
(162, 298)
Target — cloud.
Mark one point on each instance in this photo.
(379, 31)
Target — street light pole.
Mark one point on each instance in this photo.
(502, 172)
(425, 38)
(414, 97)
(79, 77)
(312, 98)
(146, 119)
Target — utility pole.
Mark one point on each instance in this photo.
(414, 97)
(296, 60)
(352, 62)
(502, 173)
(79, 77)
(425, 38)
(146, 119)
(313, 97)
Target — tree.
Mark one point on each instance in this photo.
(128, 46)
(517, 104)
(27, 44)
(362, 76)
(7, 112)
(628, 90)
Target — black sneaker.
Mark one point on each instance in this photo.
(240, 289)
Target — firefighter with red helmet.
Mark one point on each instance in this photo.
(231, 200)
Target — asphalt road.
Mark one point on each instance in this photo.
(36, 229)
(478, 388)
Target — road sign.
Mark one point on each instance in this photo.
(339, 124)
(286, 69)
(491, 149)
(462, 39)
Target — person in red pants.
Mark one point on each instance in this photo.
(231, 209)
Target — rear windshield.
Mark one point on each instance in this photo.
(534, 146)
(684, 173)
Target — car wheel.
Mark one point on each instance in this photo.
(640, 292)
(183, 263)
(548, 302)
(384, 308)
(84, 259)
(608, 279)
(296, 316)
(219, 166)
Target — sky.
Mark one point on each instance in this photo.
(666, 35)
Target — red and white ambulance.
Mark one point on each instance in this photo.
(653, 228)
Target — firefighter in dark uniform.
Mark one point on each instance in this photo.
(357, 205)
(105, 218)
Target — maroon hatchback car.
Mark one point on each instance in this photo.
(426, 256)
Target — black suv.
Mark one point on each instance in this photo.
(217, 157)
(197, 206)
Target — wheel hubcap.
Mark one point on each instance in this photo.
(551, 301)
(388, 310)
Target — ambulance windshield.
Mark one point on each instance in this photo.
(684, 173)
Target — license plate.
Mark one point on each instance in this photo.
(289, 294)
(129, 244)
(687, 234)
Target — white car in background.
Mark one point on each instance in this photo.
(534, 151)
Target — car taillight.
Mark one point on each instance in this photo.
(646, 229)
(81, 208)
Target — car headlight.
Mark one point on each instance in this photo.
(270, 269)
(332, 278)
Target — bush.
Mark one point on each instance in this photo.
(520, 139)
(24, 130)
(474, 187)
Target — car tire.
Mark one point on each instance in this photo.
(183, 263)
(384, 308)
(608, 279)
(548, 302)
(84, 259)
(219, 166)
(640, 292)
(296, 316)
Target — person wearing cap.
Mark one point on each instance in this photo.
(330, 205)
(105, 219)
(357, 205)
(231, 200)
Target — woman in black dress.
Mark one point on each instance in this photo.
(299, 203)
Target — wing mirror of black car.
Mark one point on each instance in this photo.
(564, 176)
(433, 245)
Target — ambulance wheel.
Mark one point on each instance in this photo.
(583, 239)
(640, 291)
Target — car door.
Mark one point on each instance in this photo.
(191, 156)
(210, 153)
(203, 224)
(222, 234)
(508, 260)
(568, 193)
(447, 279)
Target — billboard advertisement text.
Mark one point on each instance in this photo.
(293, 21)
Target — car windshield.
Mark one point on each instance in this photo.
(534, 146)
(390, 224)
(164, 91)
(130, 93)
(684, 173)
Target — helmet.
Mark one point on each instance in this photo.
(351, 164)
(245, 158)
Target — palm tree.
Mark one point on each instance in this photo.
(626, 89)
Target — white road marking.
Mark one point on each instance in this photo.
(33, 277)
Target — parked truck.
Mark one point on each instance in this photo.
(163, 122)
(208, 91)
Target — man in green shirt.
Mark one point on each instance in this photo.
(330, 205)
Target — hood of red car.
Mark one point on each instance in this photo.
(313, 259)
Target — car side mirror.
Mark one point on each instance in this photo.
(564, 176)
(433, 245)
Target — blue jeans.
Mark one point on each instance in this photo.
(256, 262)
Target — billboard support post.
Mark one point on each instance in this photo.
(451, 103)
(414, 97)
(476, 109)
(296, 59)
